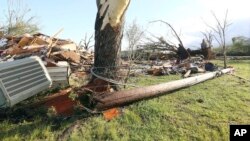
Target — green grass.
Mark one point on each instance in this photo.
(241, 67)
(201, 112)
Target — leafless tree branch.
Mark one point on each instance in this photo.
(175, 33)
(220, 30)
(86, 43)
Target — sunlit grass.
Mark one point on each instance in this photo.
(201, 112)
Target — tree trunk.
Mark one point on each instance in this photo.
(108, 36)
(225, 57)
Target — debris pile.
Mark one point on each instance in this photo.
(67, 63)
(53, 51)
(186, 68)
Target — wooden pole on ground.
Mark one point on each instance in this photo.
(121, 98)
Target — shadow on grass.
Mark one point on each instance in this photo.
(26, 122)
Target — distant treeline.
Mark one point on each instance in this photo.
(237, 49)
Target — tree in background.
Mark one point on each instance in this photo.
(87, 42)
(181, 51)
(17, 20)
(134, 35)
(208, 38)
(206, 45)
(220, 34)
(240, 47)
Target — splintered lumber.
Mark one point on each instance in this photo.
(68, 56)
(51, 41)
(121, 98)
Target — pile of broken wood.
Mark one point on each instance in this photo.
(53, 51)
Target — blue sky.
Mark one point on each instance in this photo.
(77, 17)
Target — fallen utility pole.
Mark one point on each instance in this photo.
(121, 98)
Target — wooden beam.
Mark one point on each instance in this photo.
(121, 98)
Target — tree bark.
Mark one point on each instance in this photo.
(225, 56)
(108, 35)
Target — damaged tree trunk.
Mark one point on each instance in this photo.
(108, 36)
(121, 98)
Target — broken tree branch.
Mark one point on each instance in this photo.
(175, 33)
(181, 46)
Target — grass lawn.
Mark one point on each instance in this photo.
(201, 112)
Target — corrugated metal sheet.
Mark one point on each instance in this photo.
(59, 75)
(22, 79)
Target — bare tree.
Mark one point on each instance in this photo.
(134, 34)
(18, 20)
(208, 36)
(108, 35)
(220, 33)
(172, 29)
(87, 42)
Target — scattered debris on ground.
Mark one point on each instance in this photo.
(186, 67)
(69, 66)
(53, 51)
(63, 61)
